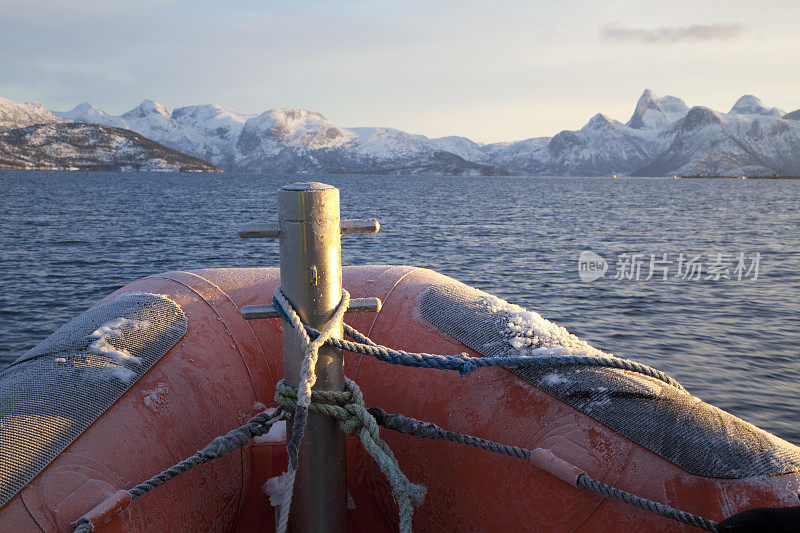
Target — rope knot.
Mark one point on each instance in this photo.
(346, 406)
(465, 364)
(349, 409)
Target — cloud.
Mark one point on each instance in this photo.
(672, 34)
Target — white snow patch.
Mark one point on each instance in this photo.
(531, 335)
(114, 330)
(102, 346)
(275, 487)
(590, 408)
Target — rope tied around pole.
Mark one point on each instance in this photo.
(307, 379)
(352, 415)
(308, 375)
(348, 408)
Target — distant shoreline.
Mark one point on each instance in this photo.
(184, 170)
(773, 177)
(108, 169)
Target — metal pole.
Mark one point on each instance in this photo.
(311, 279)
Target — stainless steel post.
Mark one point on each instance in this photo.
(311, 279)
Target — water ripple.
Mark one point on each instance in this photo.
(70, 238)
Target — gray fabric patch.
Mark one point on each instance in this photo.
(687, 432)
(50, 395)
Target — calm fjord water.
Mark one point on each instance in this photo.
(67, 239)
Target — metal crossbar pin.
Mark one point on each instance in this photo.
(350, 226)
(357, 305)
(354, 226)
(257, 230)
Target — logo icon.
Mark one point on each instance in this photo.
(591, 266)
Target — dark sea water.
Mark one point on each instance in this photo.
(69, 238)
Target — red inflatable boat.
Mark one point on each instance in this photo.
(159, 368)
(168, 364)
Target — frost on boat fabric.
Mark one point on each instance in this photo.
(679, 427)
(50, 395)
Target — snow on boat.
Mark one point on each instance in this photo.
(161, 367)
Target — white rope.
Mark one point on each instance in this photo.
(307, 379)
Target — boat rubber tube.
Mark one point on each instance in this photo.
(223, 371)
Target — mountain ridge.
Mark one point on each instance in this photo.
(77, 146)
(663, 135)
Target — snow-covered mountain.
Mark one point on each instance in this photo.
(750, 105)
(151, 119)
(662, 136)
(207, 131)
(462, 147)
(18, 115)
(75, 146)
(602, 146)
(712, 143)
(210, 131)
(291, 140)
(90, 114)
(388, 150)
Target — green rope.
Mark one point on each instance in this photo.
(348, 408)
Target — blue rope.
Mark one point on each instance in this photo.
(465, 364)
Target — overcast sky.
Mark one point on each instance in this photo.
(491, 71)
